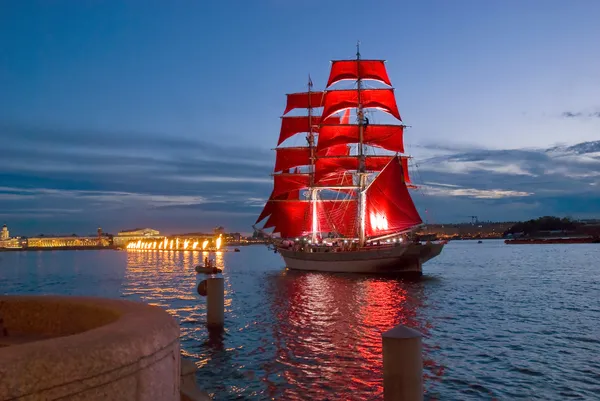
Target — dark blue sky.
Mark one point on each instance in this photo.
(162, 114)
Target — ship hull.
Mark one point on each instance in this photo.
(401, 259)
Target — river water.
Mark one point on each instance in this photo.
(500, 322)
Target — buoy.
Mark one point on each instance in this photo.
(210, 269)
(202, 288)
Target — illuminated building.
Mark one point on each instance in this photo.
(7, 242)
(13, 243)
(233, 237)
(66, 242)
(126, 236)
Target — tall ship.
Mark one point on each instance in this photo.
(340, 202)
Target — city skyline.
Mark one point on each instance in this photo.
(123, 115)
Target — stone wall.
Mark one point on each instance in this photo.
(76, 348)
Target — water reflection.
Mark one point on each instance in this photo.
(328, 331)
(168, 279)
(513, 323)
(288, 335)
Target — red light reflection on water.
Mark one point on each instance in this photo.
(315, 336)
(328, 333)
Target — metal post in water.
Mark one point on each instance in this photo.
(402, 365)
(215, 302)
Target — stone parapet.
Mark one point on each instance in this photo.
(189, 389)
(74, 348)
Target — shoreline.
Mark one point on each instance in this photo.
(568, 240)
(60, 248)
(114, 248)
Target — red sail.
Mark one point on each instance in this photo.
(295, 194)
(345, 117)
(268, 209)
(388, 137)
(328, 165)
(389, 207)
(286, 183)
(293, 218)
(405, 170)
(272, 221)
(358, 69)
(337, 217)
(290, 218)
(303, 101)
(291, 126)
(376, 163)
(287, 158)
(339, 100)
(335, 179)
(336, 150)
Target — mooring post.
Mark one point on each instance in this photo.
(215, 302)
(402, 365)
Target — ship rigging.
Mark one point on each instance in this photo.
(336, 186)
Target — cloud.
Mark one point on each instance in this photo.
(470, 166)
(509, 184)
(570, 114)
(475, 193)
(116, 179)
(581, 148)
(441, 185)
(58, 180)
(205, 178)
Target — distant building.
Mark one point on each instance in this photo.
(4, 234)
(219, 230)
(66, 242)
(233, 237)
(7, 242)
(126, 236)
(14, 243)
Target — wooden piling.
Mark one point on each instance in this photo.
(215, 302)
(402, 365)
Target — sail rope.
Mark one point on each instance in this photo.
(330, 220)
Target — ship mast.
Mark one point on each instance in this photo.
(362, 175)
(389, 209)
(311, 144)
